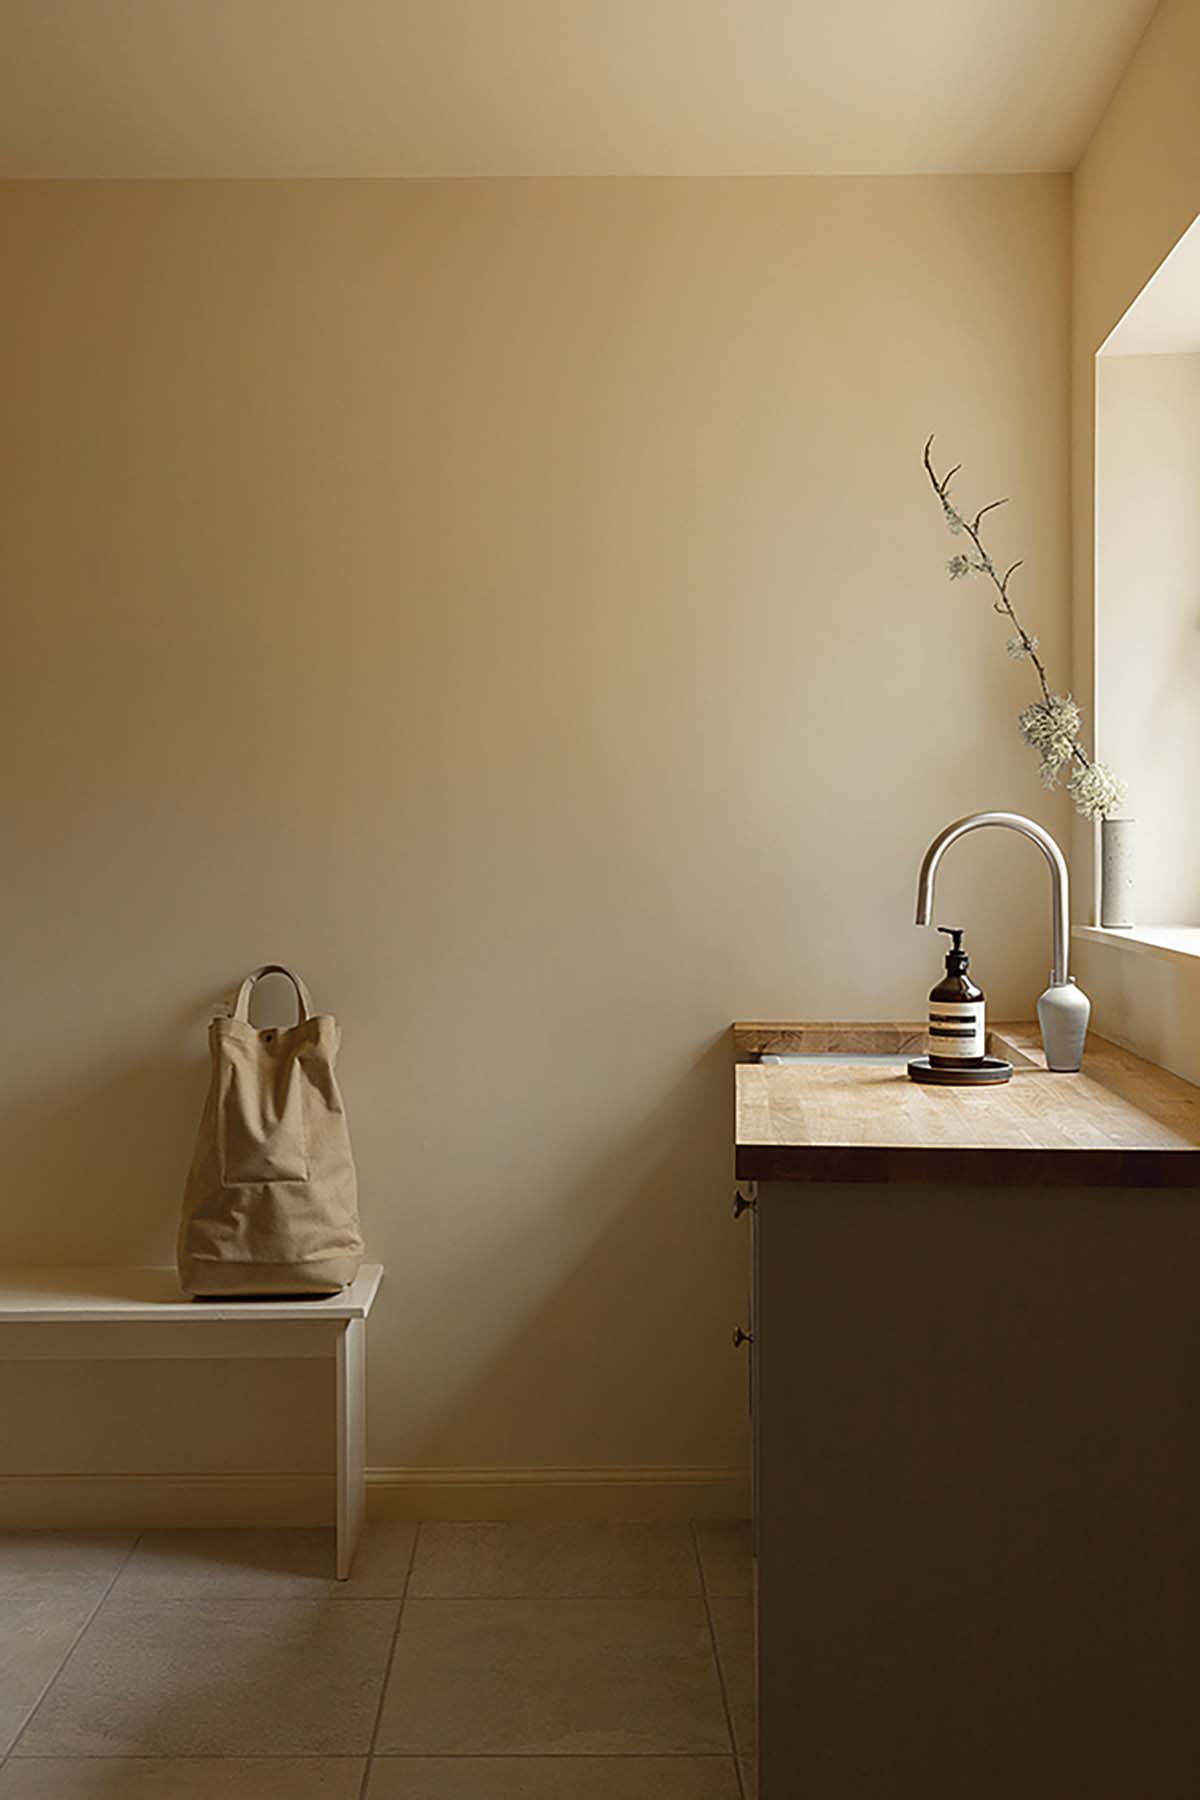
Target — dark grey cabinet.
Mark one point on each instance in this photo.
(976, 1492)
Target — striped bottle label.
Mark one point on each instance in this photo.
(956, 1028)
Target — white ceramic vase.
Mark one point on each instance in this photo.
(1063, 1014)
(1116, 871)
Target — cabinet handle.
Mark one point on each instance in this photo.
(745, 1199)
(741, 1337)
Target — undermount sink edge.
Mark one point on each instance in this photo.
(864, 1042)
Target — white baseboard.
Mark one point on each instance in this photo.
(622, 1493)
(133, 1501)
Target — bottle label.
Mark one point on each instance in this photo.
(956, 1028)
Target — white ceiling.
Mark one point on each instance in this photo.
(137, 88)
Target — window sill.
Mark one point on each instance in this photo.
(1173, 942)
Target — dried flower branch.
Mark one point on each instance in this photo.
(1053, 723)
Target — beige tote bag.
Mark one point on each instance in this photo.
(271, 1204)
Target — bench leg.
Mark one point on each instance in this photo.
(351, 1441)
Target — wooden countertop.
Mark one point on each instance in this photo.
(1120, 1122)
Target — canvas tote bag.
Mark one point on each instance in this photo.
(271, 1203)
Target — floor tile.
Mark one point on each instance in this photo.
(219, 1678)
(749, 1771)
(381, 1562)
(553, 1677)
(278, 1564)
(733, 1624)
(725, 1555)
(60, 1560)
(530, 1561)
(168, 1778)
(228, 1564)
(549, 1778)
(36, 1636)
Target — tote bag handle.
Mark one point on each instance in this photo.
(241, 1006)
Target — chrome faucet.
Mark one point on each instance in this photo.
(1063, 1010)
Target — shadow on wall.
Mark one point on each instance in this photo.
(122, 1133)
(584, 1347)
(539, 1330)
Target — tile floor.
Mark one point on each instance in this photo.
(461, 1662)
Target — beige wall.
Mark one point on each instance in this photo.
(1135, 193)
(520, 606)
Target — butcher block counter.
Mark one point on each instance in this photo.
(1120, 1122)
(974, 1341)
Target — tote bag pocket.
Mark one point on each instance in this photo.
(260, 1125)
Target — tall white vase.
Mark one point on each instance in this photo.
(1116, 871)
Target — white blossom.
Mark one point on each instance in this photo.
(954, 519)
(1021, 646)
(1052, 727)
(958, 566)
(1096, 791)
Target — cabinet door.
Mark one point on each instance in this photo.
(977, 1459)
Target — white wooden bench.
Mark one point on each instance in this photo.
(74, 1314)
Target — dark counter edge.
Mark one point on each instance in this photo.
(983, 1167)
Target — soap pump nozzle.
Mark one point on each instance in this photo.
(957, 960)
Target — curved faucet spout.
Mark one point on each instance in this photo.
(1060, 881)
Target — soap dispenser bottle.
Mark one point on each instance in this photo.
(956, 1027)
